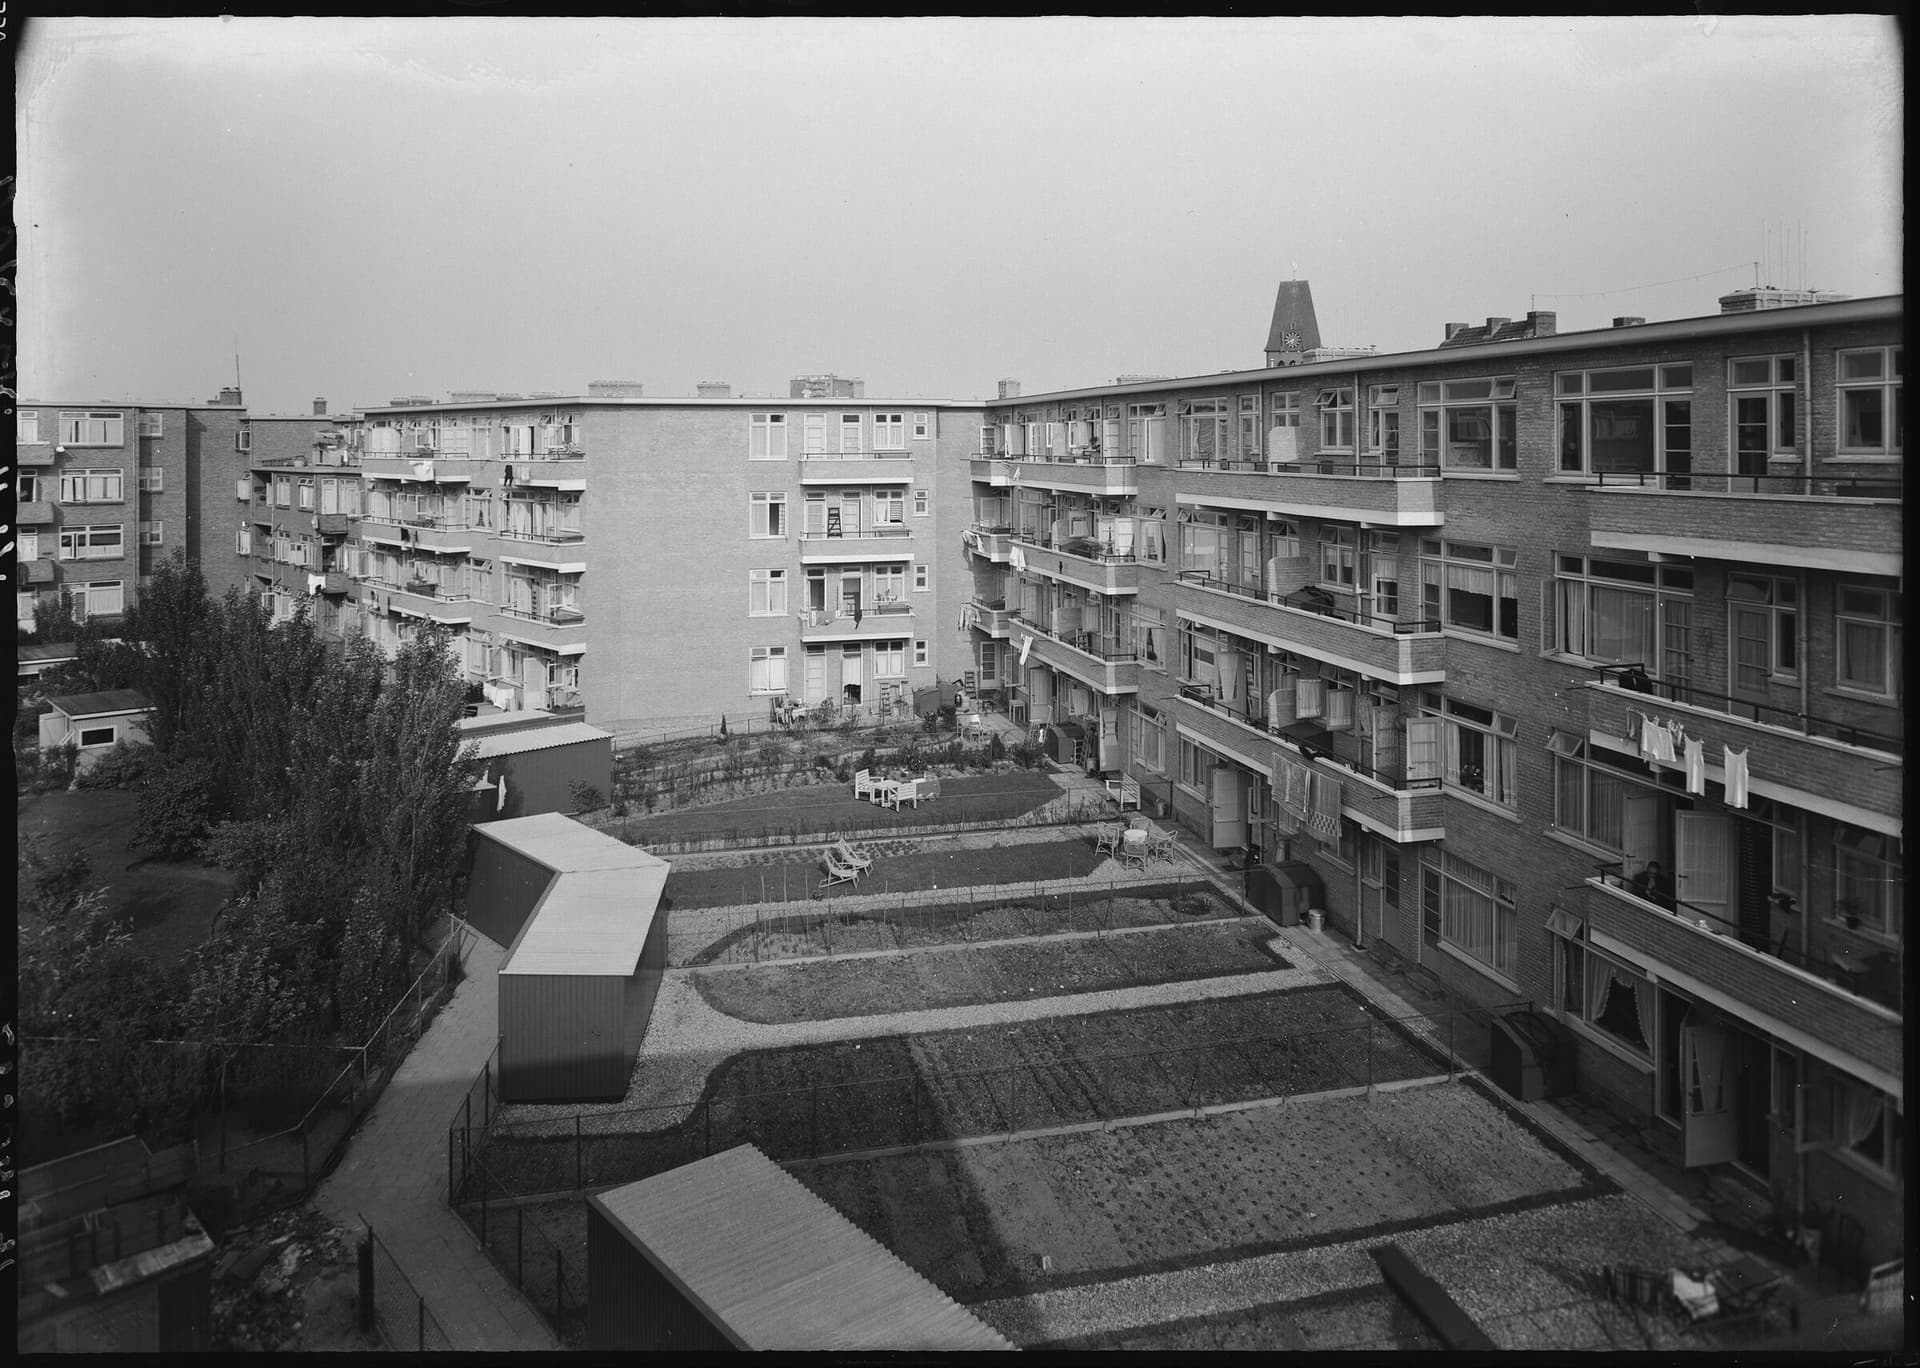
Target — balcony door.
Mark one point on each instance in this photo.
(1228, 790)
(1702, 848)
(1712, 1125)
(850, 675)
(815, 681)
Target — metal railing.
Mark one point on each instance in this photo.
(1310, 599)
(1830, 485)
(400, 1313)
(1109, 649)
(1633, 677)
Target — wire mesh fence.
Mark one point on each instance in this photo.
(1037, 1091)
(519, 1244)
(400, 1312)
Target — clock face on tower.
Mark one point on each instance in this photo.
(1290, 341)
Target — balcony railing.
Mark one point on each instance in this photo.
(828, 617)
(556, 536)
(1827, 486)
(557, 617)
(1111, 649)
(1372, 470)
(1310, 600)
(1633, 677)
(1086, 548)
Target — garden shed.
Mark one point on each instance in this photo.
(532, 760)
(95, 722)
(586, 943)
(733, 1252)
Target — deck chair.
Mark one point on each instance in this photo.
(1125, 791)
(1106, 838)
(866, 786)
(838, 872)
(851, 854)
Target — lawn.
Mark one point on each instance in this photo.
(1007, 972)
(796, 875)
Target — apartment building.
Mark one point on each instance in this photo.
(658, 560)
(1569, 662)
(299, 499)
(105, 489)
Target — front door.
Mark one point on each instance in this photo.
(850, 674)
(816, 677)
(1229, 792)
(1712, 1127)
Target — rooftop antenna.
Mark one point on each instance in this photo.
(236, 362)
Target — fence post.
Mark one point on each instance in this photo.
(1452, 1014)
(519, 1247)
(483, 1208)
(422, 1322)
(306, 1179)
(559, 1286)
(1369, 1056)
(578, 1144)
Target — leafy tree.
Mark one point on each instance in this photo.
(177, 809)
(171, 624)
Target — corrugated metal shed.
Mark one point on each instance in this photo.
(535, 739)
(594, 922)
(772, 1266)
(562, 844)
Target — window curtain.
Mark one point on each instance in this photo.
(1309, 697)
(1862, 1112)
(1863, 651)
(1622, 625)
(1233, 672)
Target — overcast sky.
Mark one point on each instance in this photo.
(384, 207)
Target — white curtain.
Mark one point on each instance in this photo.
(1863, 1107)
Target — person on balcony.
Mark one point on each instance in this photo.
(1652, 884)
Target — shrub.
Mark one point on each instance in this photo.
(822, 762)
(122, 767)
(843, 772)
(176, 810)
(1026, 755)
(586, 798)
(996, 748)
(867, 758)
(931, 721)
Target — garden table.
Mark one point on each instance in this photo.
(1134, 846)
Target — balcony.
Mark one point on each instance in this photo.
(1382, 495)
(426, 467)
(1310, 622)
(420, 533)
(1818, 523)
(994, 617)
(336, 582)
(1789, 755)
(889, 542)
(856, 467)
(1087, 473)
(1078, 561)
(1853, 1011)
(34, 513)
(997, 471)
(562, 630)
(1102, 663)
(331, 524)
(990, 542)
(34, 453)
(39, 571)
(880, 622)
(563, 551)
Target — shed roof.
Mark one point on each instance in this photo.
(775, 1267)
(595, 914)
(102, 703)
(490, 745)
(27, 651)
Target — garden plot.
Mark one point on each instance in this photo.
(1006, 972)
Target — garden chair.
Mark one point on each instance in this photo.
(1160, 845)
(838, 872)
(909, 791)
(1125, 791)
(866, 785)
(851, 854)
(1106, 838)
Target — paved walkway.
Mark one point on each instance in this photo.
(394, 1175)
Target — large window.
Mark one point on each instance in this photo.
(766, 593)
(152, 533)
(1839, 1114)
(1468, 424)
(92, 486)
(1473, 907)
(889, 659)
(1203, 430)
(1589, 799)
(1479, 752)
(101, 598)
(26, 427)
(1149, 737)
(814, 439)
(1763, 613)
(1336, 419)
(1620, 612)
(1762, 410)
(850, 432)
(81, 429)
(767, 437)
(1867, 649)
(1872, 418)
(1632, 420)
(1470, 588)
(1146, 432)
(92, 543)
(1600, 991)
(769, 515)
(152, 478)
(1867, 880)
(1250, 427)
(1383, 422)
(889, 432)
(767, 670)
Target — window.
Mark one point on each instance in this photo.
(1147, 432)
(1872, 421)
(889, 659)
(1339, 552)
(78, 429)
(1621, 612)
(922, 426)
(28, 486)
(1203, 430)
(152, 533)
(150, 425)
(889, 506)
(814, 439)
(97, 736)
(26, 426)
(1844, 1116)
(919, 503)
(1149, 738)
(889, 583)
(29, 546)
(1383, 421)
(282, 492)
(1478, 748)
(91, 543)
(919, 653)
(101, 598)
(1762, 412)
(1600, 991)
(1285, 409)
(767, 670)
(1336, 419)
(243, 542)
(1196, 765)
(152, 478)
(919, 579)
(1867, 880)
(1589, 799)
(305, 495)
(1468, 424)
(768, 515)
(766, 593)
(850, 432)
(1867, 627)
(1762, 628)
(91, 486)
(1250, 427)
(1475, 909)
(889, 432)
(1633, 420)
(1470, 588)
(767, 437)
(243, 438)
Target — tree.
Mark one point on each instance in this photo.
(170, 623)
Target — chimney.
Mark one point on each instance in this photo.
(1629, 321)
(714, 389)
(1455, 329)
(1009, 389)
(1542, 322)
(319, 408)
(229, 394)
(1494, 325)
